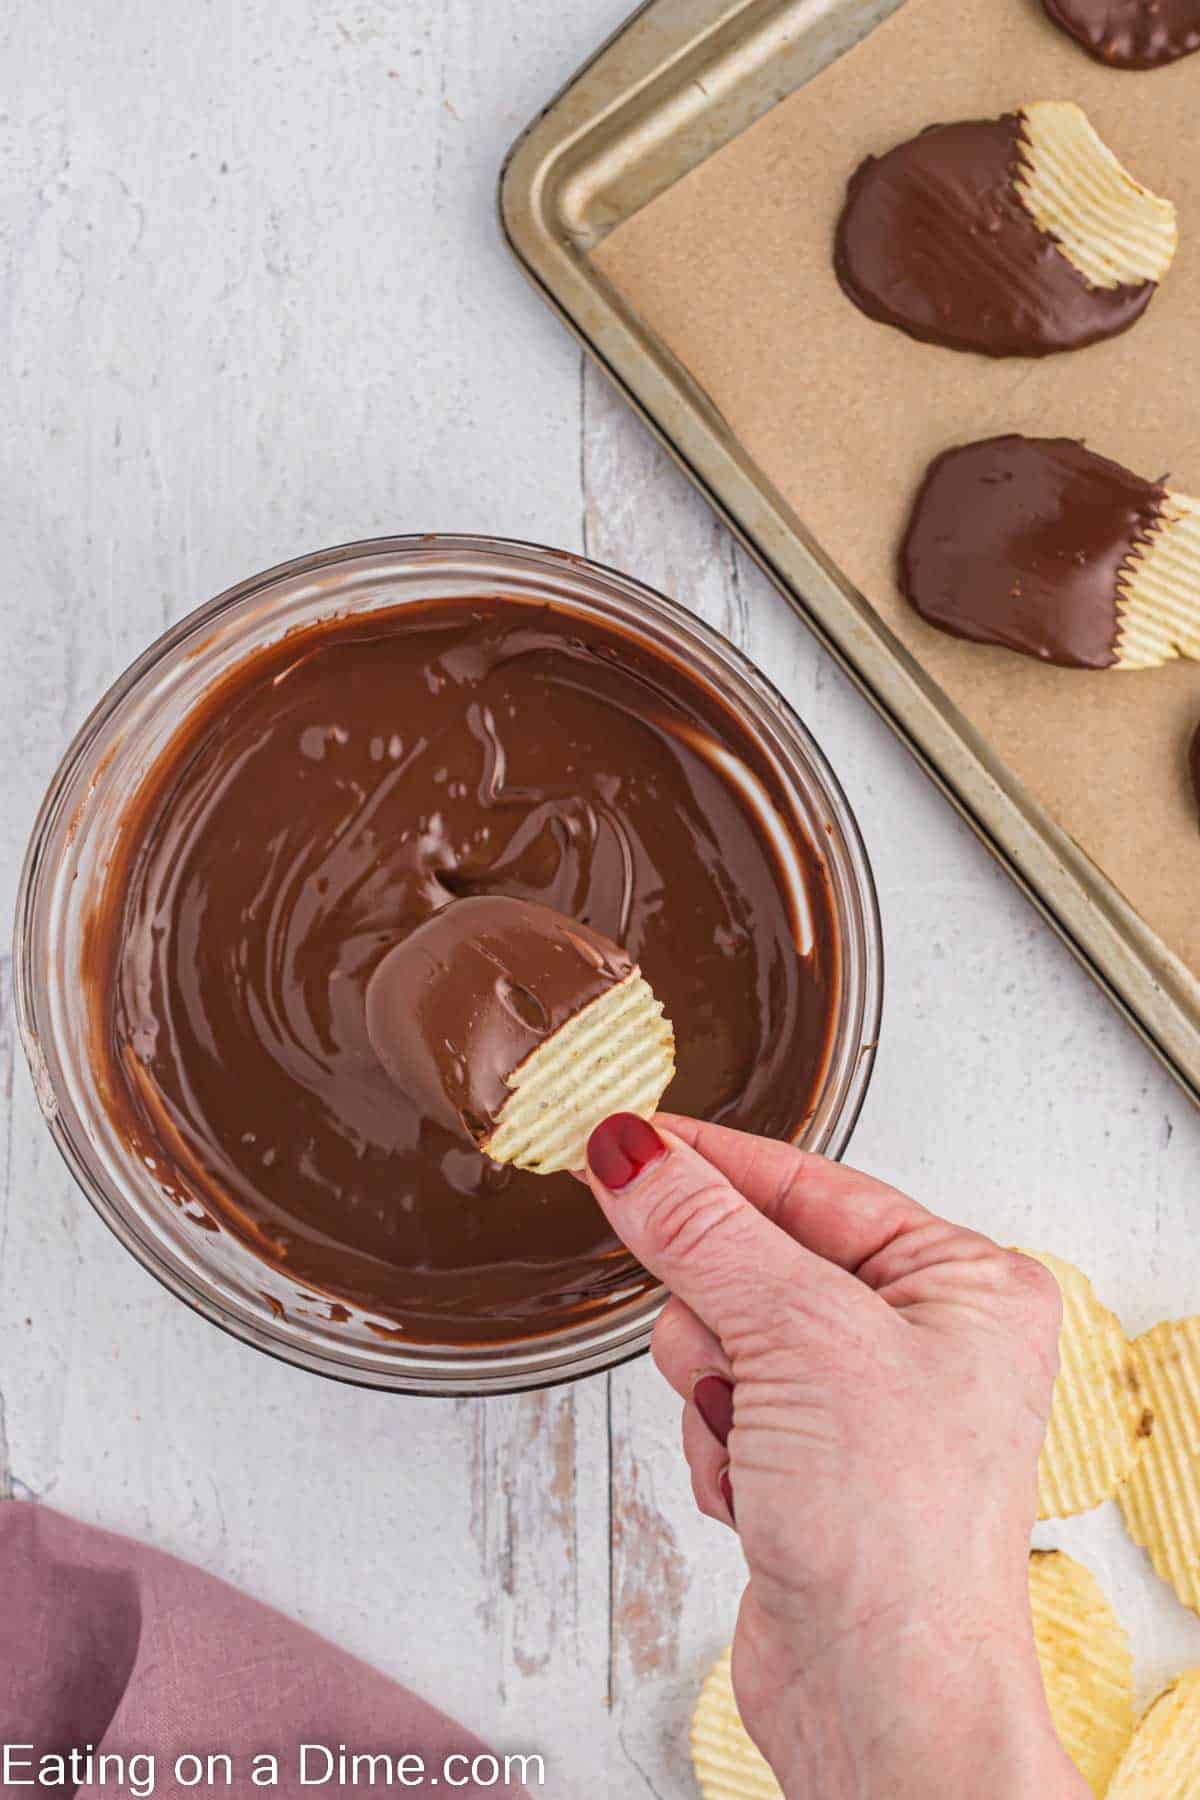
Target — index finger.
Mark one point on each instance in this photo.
(838, 1213)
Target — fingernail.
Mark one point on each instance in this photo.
(713, 1399)
(620, 1148)
(725, 1484)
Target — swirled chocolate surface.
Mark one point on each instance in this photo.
(934, 239)
(1019, 541)
(1131, 34)
(464, 998)
(331, 794)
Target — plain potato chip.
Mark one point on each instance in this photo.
(1099, 1418)
(1087, 1667)
(617, 1054)
(1160, 1502)
(1163, 1761)
(728, 1764)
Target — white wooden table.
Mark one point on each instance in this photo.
(254, 301)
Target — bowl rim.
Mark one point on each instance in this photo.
(633, 1339)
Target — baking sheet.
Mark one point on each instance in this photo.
(730, 267)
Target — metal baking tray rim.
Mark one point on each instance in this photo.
(559, 194)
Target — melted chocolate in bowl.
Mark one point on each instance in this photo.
(335, 789)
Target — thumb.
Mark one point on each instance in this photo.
(687, 1224)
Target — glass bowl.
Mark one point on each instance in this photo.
(77, 826)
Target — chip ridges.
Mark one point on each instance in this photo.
(1158, 590)
(1114, 231)
(1160, 1503)
(1098, 1418)
(617, 1054)
(728, 1764)
(1163, 1761)
(1086, 1664)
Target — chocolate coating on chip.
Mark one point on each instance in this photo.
(934, 239)
(1194, 765)
(1019, 542)
(457, 1005)
(1130, 34)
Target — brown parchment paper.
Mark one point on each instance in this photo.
(731, 267)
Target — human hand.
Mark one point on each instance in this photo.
(866, 1387)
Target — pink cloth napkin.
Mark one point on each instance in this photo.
(108, 1644)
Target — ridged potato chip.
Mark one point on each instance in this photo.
(1158, 589)
(1087, 1667)
(1160, 1502)
(1163, 1761)
(1108, 225)
(1099, 1418)
(728, 1764)
(617, 1054)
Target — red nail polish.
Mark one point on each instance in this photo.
(713, 1399)
(726, 1486)
(620, 1148)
